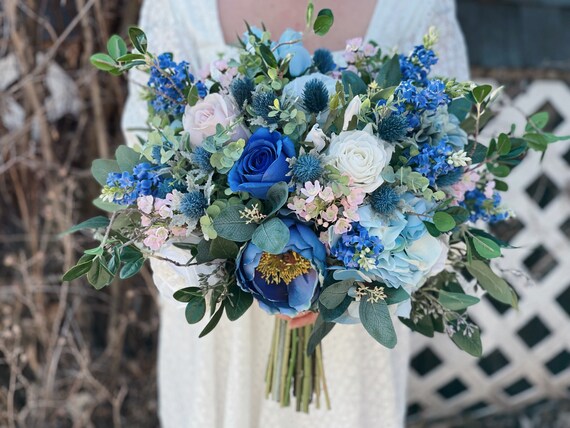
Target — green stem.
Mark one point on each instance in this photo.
(291, 371)
(306, 394)
(269, 371)
(284, 366)
(319, 356)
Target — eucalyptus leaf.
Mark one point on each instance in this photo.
(323, 22)
(93, 223)
(353, 83)
(229, 224)
(470, 344)
(390, 73)
(221, 248)
(456, 301)
(486, 247)
(101, 168)
(443, 221)
(376, 319)
(237, 302)
(276, 197)
(271, 236)
(395, 295)
(334, 294)
(480, 92)
(497, 287)
(195, 309)
(186, 294)
(320, 330)
(127, 158)
(103, 62)
(213, 321)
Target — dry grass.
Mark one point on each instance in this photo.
(69, 356)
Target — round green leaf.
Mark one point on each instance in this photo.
(271, 236)
(324, 22)
(443, 221)
(486, 248)
(116, 47)
(195, 310)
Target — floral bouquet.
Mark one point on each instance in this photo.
(330, 190)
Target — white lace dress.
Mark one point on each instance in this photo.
(217, 381)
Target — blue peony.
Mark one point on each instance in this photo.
(286, 283)
(262, 163)
(301, 59)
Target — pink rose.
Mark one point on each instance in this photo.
(200, 120)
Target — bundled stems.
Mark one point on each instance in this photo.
(291, 372)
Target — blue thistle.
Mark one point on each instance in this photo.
(193, 204)
(450, 178)
(201, 158)
(167, 186)
(307, 168)
(241, 90)
(384, 200)
(323, 60)
(315, 96)
(393, 128)
(261, 104)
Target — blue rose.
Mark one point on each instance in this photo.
(301, 59)
(286, 283)
(262, 163)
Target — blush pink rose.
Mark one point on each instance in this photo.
(200, 120)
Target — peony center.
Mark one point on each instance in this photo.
(277, 268)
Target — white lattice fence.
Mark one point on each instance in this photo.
(526, 353)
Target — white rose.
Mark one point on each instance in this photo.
(200, 120)
(361, 155)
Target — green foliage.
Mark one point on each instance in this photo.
(485, 247)
(376, 319)
(116, 47)
(195, 309)
(496, 287)
(93, 223)
(237, 302)
(395, 295)
(390, 73)
(460, 108)
(186, 294)
(138, 39)
(443, 221)
(353, 84)
(230, 224)
(221, 248)
(101, 168)
(127, 158)
(213, 321)
(456, 301)
(323, 22)
(481, 92)
(320, 330)
(271, 236)
(332, 296)
(470, 344)
(276, 197)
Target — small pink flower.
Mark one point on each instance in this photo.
(311, 190)
(369, 49)
(156, 238)
(327, 194)
(489, 189)
(468, 182)
(220, 64)
(297, 205)
(342, 226)
(145, 221)
(353, 44)
(356, 197)
(351, 214)
(330, 214)
(324, 238)
(349, 56)
(144, 203)
(312, 210)
(178, 231)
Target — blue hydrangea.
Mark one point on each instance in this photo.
(315, 96)
(384, 200)
(193, 204)
(323, 60)
(201, 158)
(168, 82)
(143, 181)
(167, 185)
(307, 167)
(357, 249)
(482, 208)
(417, 65)
(431, 162)
(421, 99)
